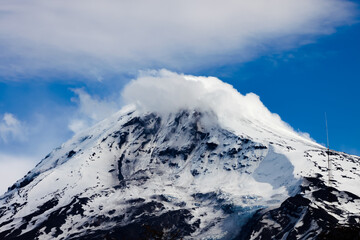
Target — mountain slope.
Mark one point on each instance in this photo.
(136, 176)
(191, 159)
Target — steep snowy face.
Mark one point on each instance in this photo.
(200, 166)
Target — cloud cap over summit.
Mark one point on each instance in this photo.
(167, 92)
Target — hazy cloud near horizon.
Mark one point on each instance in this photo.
(96, 38)
(13, 167)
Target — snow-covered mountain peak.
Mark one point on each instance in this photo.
(202, 172)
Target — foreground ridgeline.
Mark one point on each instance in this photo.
(185, 175)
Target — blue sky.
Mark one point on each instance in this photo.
(302, 84)
(64, 70)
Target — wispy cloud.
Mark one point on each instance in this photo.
(11, 129)
(90, 109)
(95, 38)
(37, 135)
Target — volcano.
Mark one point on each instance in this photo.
(198, 161)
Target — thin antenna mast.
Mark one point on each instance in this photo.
(328, 151)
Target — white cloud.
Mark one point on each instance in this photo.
(77, 125)
(96, 37)
(90, 110)
(11, 128)
(166, 92)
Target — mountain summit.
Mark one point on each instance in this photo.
(191, 158)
